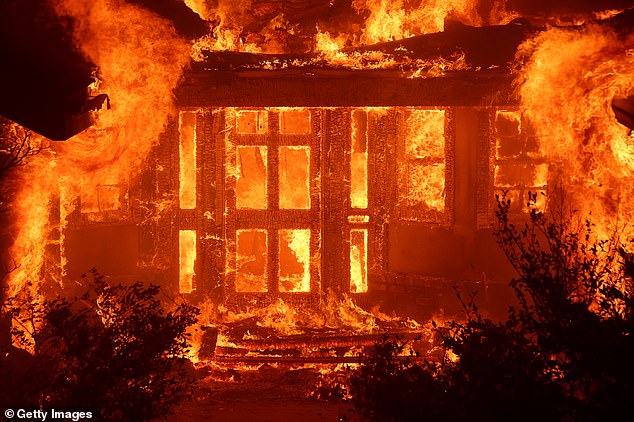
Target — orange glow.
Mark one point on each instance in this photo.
(140, 60)
(358, 219)
(187, 261)
(425, 155)
(398, 19)
(187, 161)
(294, 173)
(295, 122)
(294, 260)
(252, 121)
(102, 198)
(251, 260)
(425, 133)
(519, 167)
(566, 87)
(251, 180)
(358, 260)
(331, 51)
(228, 19)
(359, 160)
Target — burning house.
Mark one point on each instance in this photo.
(311, 177)
(368, 171)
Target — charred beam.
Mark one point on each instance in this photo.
(332, 88)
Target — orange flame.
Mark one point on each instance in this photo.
(141, 60)
(398, 19)
(566, 88)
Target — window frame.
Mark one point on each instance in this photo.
(273, 219)
(523, 159)
(416, 214)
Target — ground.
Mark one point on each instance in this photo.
(263, 393)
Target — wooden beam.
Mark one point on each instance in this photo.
(340, 88)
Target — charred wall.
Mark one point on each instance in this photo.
(415, 253)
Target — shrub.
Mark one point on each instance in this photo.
(113, 350)
(561, 354)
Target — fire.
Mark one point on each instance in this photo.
(187, 159)
(294, 260)
(424, 148)
(359, 260)
(399, 19)
(30, 242)
(566, 87)
(229, 18)
(359, 160)
(141, 59)
(187, 261)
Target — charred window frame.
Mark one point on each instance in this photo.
(108, 202)
(517, 164)
(358, 228)
(425, 162)
(274, 234)
(187, 200)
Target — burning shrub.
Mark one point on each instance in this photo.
(556, 356)
(114, 350)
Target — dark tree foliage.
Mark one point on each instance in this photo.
(563, 353)
(114, 351)
(16, 146)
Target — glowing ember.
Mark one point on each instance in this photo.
(294, 175)
(251, 261)
(294, 260)
(187, 155)
(187, 261)
(251, 181)
(359, 160)
(358, 260)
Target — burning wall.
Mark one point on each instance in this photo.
(416, 207)
(296, 201)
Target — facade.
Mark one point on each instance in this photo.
(256, 194)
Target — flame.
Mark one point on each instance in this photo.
(226, 33)
(295, 263)
(32, 227)
(187, 160)
(425, 152)
(141, 59)
(333, 312)
(359, 260)
(359, 160)
(398, 19)
(566, 88)
(187, 260)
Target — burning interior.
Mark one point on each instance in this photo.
(364, 167)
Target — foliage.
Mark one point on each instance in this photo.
(563, 353)
(113, 350)
(389, 386)
(16, 145)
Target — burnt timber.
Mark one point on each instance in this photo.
(332, 88)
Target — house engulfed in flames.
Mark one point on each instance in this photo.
(368, 172)
(296, 181)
